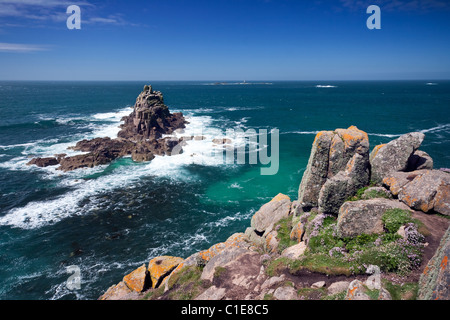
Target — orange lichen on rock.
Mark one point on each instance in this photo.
(352, 135)
(237, 240)
(280, 197)
(375, 150)
(136, 279)
(318, 135)
(444, 263)
(160, 267)
(297, 232)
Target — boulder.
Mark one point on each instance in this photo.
(356, 291)
(221, 260)
(394, 156)
(419, 160)
(160, 267)
(119, 291)
(427, 191)
(434, 282)
(337, 287)
(295, 251)
(270, 213)
(285, 293)
(237, 240)
(340, 160)
(138, 280)
(395, 181)
(364, 216)
(318, 284)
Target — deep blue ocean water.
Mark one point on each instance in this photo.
(111, 219)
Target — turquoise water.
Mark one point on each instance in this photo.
(110, 219)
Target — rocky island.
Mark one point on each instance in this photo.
(367, 225)
(140, 136)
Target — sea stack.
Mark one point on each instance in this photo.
(140, 136)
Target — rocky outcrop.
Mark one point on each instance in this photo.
(419, 160)
(140, 136)
(435, 280)
(150, 118)
(264, 219)
(364, 216)
(424, 190)
(284, 253)
(395, 155)
(337, 167)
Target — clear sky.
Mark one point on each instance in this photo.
(224, 40)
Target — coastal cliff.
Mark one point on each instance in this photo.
(140, 136)
(366, 226)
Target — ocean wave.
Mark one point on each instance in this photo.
(40, 213)
(325, 86)
(431, 84)
(300, 132)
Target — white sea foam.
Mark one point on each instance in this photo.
(325, 86)
(39, 213)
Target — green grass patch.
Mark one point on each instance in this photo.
(186, 284)
(407, 291)
(393, 219)
(284, 233)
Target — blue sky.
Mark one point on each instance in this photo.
(224, 40)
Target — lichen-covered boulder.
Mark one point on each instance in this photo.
(427, 191)
(394, 156)
(270, 213)
(420, 160)
(161, 267)
(333, 152)
(138, 279)
(237, 240)
(364, 216)
(119, 291)
(295, 251)
(434, 283)
(397, 180)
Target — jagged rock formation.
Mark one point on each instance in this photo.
(140, 136)
(295, 231)
(337, 167)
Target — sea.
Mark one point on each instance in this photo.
(106, 221)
